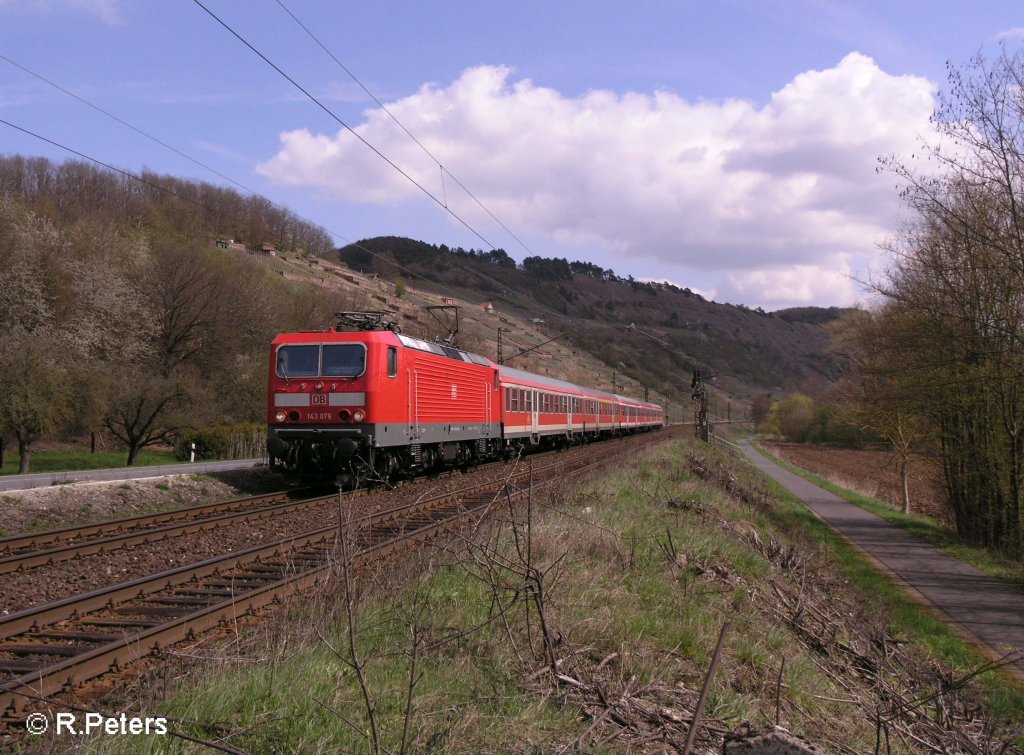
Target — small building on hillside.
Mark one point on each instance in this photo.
(488, 307)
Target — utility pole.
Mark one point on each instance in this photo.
(698, 392)
(501, 357)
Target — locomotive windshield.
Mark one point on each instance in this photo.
(314, 360)
(298, 361)
(344, 359)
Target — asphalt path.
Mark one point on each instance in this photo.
(987, 611)
(23, 482)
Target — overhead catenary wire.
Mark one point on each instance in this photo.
(84, 156)
(126, 124)
(348, 128)
(402, 126)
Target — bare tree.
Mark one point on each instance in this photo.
(144, 409)
(33, 399)
(958, 278)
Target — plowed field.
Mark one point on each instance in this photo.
(874, 473)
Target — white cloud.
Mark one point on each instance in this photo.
(700, 186)
(794, 286)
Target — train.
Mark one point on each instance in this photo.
(362, 402)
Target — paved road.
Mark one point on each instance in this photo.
(989, 611)
(22, 482)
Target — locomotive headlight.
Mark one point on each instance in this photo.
(358, 415)
(280, 416)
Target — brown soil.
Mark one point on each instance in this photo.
(874, 473)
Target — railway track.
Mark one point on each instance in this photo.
(60, 646)
(34, 549)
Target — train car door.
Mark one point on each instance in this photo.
(413, 401)
(535, 417)
(488, 417)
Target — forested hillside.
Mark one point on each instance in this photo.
(674, 329)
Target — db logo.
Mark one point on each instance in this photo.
(455, 391)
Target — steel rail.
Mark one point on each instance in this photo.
(33, 559)
(36, 540)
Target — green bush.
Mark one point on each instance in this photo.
(244, 440)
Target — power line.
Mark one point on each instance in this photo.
(125, 173)
(403, 127)
(126, 124)
(352, 131)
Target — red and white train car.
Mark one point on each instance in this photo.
(365, 404)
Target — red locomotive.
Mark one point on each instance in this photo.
(364, 402)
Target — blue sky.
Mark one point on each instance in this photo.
(725, 146)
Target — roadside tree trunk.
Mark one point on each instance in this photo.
(24, 453)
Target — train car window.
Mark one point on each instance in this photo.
(514, 402)
(344, 360)
(392, 361)
(298, 361)
(508, 400)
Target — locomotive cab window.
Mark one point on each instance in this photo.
(392, 362)
(345, 360)
(298, 361)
